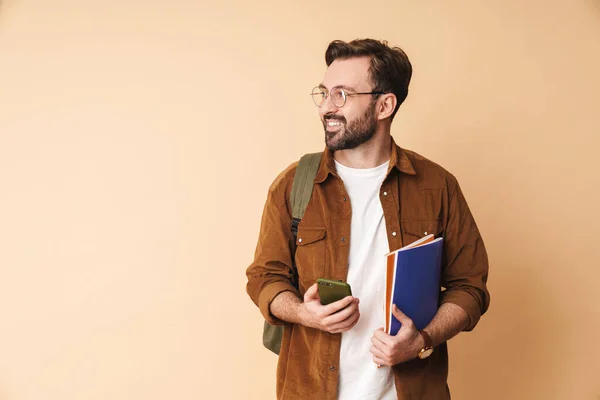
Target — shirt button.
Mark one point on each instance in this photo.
(385, 193)
(331, 367)
(343, 239)
(345, 199)
(299, 240)
(425, 233)
(394, 233)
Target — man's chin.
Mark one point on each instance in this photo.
(334, 146)
(332, 140)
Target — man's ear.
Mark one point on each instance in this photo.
(387, 105)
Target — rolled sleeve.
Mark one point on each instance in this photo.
(465, 258)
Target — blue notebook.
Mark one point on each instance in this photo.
(413, 282)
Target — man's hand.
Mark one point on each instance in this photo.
(337, 317)
(391, 350)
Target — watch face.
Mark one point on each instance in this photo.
(425, 353)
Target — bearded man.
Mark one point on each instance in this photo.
(370, 197)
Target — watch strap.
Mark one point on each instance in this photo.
(426, 339)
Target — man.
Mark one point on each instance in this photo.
(370, 197)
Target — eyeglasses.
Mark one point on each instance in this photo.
(337, 94)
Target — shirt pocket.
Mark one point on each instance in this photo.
(414, 229)
(310, 255)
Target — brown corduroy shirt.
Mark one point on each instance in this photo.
(418, 197)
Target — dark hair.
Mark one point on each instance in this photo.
(390, 68)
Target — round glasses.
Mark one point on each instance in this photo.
(337, 94)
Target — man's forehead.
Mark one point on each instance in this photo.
(350, 72)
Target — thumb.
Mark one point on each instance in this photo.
(312, 293)
(400, 316)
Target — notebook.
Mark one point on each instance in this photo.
(413, 282)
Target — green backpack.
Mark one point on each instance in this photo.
(302, 188)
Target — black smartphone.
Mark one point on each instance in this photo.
(331, 291)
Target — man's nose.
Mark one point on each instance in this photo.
(327, 107)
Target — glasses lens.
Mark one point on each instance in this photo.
(318, 96)
(338, 97)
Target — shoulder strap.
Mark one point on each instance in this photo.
(302, 186)
(301, 192)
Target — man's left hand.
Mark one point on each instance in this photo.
(391, 350)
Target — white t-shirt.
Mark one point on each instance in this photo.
(359, 376)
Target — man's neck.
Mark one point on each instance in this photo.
(368, 155)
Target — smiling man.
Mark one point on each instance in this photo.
(370, 197)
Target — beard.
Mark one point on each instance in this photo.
(350, 136)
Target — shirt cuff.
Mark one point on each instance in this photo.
(465, 301)
(267, 295)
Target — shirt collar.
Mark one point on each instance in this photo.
(398, 159)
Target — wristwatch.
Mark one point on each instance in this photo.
(428, 348)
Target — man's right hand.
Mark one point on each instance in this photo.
(336, 317)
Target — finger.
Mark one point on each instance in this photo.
(312, 293)
(345, 325)
(338, 305)
(400, 316)
(340, 315)
(377, 353)
(378, 343)
(355, 322)
(380, 362)
(383, 337)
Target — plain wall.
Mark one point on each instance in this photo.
(138, 140)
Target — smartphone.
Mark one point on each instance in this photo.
(331, 291)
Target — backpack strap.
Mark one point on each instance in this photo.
(302, 186)
(301, 192)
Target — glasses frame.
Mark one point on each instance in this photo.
(345, 94)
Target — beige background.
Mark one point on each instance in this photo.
(138, 140)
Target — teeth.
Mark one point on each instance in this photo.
(333, 123)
